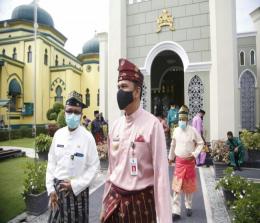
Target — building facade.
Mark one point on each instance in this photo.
(187, 51)
(58, 72)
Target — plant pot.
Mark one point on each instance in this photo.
(103, 164)
(253, 155)
(43, 155)
(219, 168)
(36, 204)
(229, 196)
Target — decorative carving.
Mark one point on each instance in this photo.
(165, 19)
(195, 92)
(58, 81)
(248, 101)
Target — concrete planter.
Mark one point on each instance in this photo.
(219, 168)
(37, 204)
(253, 155)
(43, 155)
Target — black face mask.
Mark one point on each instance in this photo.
(124, 98)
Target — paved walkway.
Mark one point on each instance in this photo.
(208, 203)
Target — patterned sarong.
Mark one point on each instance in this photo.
(130, 206)
(184, 178)
(71, 208)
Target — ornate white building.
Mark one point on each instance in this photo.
(189, 51)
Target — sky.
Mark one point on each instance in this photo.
(78, 20)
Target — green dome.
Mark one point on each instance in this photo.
(91, 46)
(26, 12)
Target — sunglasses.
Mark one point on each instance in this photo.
(76, 112)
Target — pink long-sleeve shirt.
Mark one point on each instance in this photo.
(146, 132)
(197, 123)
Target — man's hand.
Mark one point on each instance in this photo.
(65, 185)
(170, 162)
(53, 200)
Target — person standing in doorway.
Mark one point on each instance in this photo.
(185, 147)
(137, 188)
(172, 117)
(197, 123)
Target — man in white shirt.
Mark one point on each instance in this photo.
(185, 147)
(72, 165)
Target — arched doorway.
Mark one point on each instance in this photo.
(248, 100)
(167, 81)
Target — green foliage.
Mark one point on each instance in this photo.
(49, 112)
(52, 113)
(4, 135)
(57, 107)
(26, 132)
(234, 183)
(61, 119)
(251, 140)
(43, 143)
(245, 208)
(34, 182)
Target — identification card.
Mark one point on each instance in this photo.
(133, 166)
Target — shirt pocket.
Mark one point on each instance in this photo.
(79, 161)
(142, 150)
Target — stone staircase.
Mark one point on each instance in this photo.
(10, 153)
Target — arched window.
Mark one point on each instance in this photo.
(242, 58)
(3, 51)
(252, 57)
(14, 54)
(87, 98)
(248, 100)
(29, 54)
(59, 97)
(195, 92)
(63, 62)
(46, 57)
(56, 61)
(14, 90)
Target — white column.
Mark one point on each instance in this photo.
(223, 74)
(103, 60)
(255, 15)
(116, 50)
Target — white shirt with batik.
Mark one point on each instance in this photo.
(72, 156)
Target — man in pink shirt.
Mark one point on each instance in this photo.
(137, 188)
(197, 123)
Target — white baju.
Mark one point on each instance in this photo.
(72, 156)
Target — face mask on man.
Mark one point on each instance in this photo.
(72, 120)
(182, 124)
(124, 98)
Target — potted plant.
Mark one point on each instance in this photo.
(220, 156)
(102, 149)
(234, 186)
(251, 141)
(42, 146)
(34, 193)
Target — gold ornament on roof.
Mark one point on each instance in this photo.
(165, 19)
